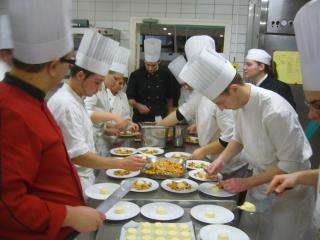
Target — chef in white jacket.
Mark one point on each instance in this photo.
(93, 59)
(111, 103)
(6, 46)
(267, 128)
(307, 30)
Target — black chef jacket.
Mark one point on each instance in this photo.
(152, 91)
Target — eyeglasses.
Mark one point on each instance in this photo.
(71, 61)
(315, 105)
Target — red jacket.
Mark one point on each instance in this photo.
(37, 178)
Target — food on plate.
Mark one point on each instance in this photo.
(131, 237)
(141, 185)
(158, 225)
(132, 231)
(146, 231)
(146, 237)
(210, 214)
(121, 172)
(223, 236)
(248, 206)
(172, 234)
(191, 139)
(146, 225)
(198, 164)
(201, 174)
(185, 235)
(184, 227)
(216, 187)
(119, 210)
(179, 185)
(127, 133)
(161, 211)
(150, 151)
(172, 226)
(104, 191)
(165, 167)
(179, 156)
(123, 151)
(159, 233)
(160, 238)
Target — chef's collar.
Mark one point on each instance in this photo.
(250, 102)
(262, 79)
(73, 93)
(30, 89)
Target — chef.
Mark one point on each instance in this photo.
(110, 103)
(307, 29)
(268, 130)
(41, 196)
(261, 70)
(6, 46)
(93, 60)
(150, 91)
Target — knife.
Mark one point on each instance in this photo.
(103, 207)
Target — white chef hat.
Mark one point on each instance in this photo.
(5, 30)
(40, 29)
(176, 65)
(210, 74)
(307, 30)
(120, 61)
(152, 49)
(195, 44)
(96, 52)
(259, 55)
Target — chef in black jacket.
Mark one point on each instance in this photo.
(260, 70)
(150, 88)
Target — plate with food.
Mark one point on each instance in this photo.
(123, 151)
(121, 173)
(144, 185)
(179, 185)
(208, 213)
(123, 210)
(151, 150)
(197, 164)
(177, 155)
(164, 168)
(221, 232)
(201, 175)
(162, 211)
(128, 133)
(147, 157)
(214, 189)
(101, 191)
(191, 139)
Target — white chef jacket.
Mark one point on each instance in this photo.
(4, 67)
(68, 109)
(212, 124)
(184, 95)
(317, 209)
(269, 129)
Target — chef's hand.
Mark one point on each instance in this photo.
(280, 183)
(214, 168)
(143, 109)
(197, 154)
(112, 131)
(134, 127)
(236, 185)
(123, 124)
(133, 163)
(83, 219)
(192, 128)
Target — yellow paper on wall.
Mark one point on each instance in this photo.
(288, 66)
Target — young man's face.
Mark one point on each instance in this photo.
(92, 84)
(313, 100)
(152, 67)
(229, 100)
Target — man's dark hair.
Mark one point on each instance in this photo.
(236, 80)
(30, 68)
(75, 69)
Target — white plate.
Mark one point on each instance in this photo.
(207, 189)
(113, 151)
(197, 162)
(172, 155)
(193, 173)
(211, 232)
(111, 173)
(94, 190)
(149, 156)
(154, 185)
(172, 211)
(222, 215)
(159, 150)
(194, 185)
(130, 210)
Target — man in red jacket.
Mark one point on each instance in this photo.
(40, 192)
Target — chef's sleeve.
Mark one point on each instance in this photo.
(225, 124)
(189, 108)
(20, 157)
(237, 131)
(91, 104)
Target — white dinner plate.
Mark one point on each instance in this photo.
(149, 156)
(193, 174)
(171, 211)
(154, 185)
(208, 188)
(221, 215)
(211, 232)
(157, 151)
(130, 210)
(178, 155)
(96, 191)
(114, 151)
(194, 185)
(198, 162)
(111, 173)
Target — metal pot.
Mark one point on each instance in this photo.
(153, 136)
(180, 131)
